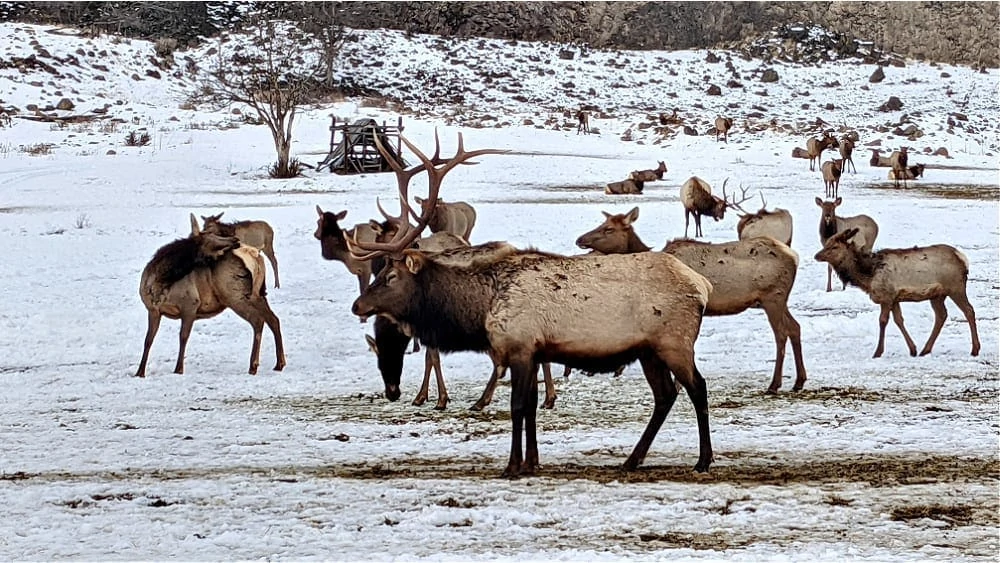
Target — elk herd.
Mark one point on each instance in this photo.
(620, 301)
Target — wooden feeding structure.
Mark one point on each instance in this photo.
(356, 152)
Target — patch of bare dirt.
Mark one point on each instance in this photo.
(947, 191)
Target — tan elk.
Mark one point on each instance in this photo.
(457, 217)
(756, 272)
(257, 234)
(592, 312)
(333, 243)
(649, 175)
(815, 148)
(847, 153)
(200, 276)
(879, 161)
(722, 127)
(697, 199)
(894, 276)
(776, 224)
(910, 173)
(832, 171)
(830, 224)
(898, 159)
(627, 186)
(583, 122)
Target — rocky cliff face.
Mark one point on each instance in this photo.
(949, 32)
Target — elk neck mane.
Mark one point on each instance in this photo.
(827, 230)
(449, 307)
(862, 268)
(176, 260)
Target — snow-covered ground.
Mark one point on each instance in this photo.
(877, 459)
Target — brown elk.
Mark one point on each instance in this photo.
(333, 243)
(583, 122)
(815, 147)
(898, 160)
(749, 273)
(894, 276)
(697, 198)
(592, 312)
(911, 173)
(649, 175)
(847, 153)
(832, 170)
(627, 186)
(199, 277)
(776, 224)
(722, 127)
(878, 160)
(830, 224)
(457, 217)
(257, 234)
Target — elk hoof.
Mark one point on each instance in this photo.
(771, 391)
(798, 386)
(913, 352)
(924, 352)
(419, 401)
(512, 471)
(702, 466)
(478, 407)
(279, 366)
(441, 406)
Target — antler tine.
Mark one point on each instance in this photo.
(763, 202)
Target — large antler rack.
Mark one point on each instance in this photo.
(736, 204)
(436, 169)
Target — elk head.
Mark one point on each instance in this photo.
(838, 248)
(829, 214)
(333, 242)
(611, 236)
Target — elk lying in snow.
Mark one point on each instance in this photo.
(592, 312)
(830, 224)
(650, 175)
(257, 234)
(697, 198)
(893, 276)
(749, 273)
(333, 243)
(832, 170)
(722, 127)
(911, 173)
(199, 277)
(815, 147)
(625, 187)
(878, 160)
(776, 224)
(456, 217)
(583, 122)
(898, 159)
(847, 153)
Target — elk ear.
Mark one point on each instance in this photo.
(375, 225)
(339, 216)
(195, 230)
(418, 199)
(319, 210)
(838, 201)
(414, 261)
(631, 216)
(819, 202)
(849, 233)
(606, 214)
(371, 344)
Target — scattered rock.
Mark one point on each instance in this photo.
(877, 76)
(111, 152)
(688, 130)
(770, 75)
(892, 104)
(714, 90)
(829, 107)
(712, 58)
(566, 54)
(65, 104)
(960, 116)
(942, 152)
(945, 75)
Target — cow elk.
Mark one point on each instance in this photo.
(815, 148)
(697, 198)
(583, 122)
(847, 153)
(894, 276)
(911, 173)
(199, 277)
(756, 272)
(776, 224)
(591, 312)
(627, 186)
(879, 161)
(333, 243)
(830, 224)
(257, 234)
(457, 217)
(832, 170)
(650, 175)
(898, 159)
(722, 127)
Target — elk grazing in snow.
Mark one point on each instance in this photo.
(199, 277)
(697, 198)
(894, 276)
(749, 273)
(257, 234)
(830, 224)
(592, 312)
(832, 170)
(776, 224)
(847, 153)
(649, 175)
(815, 148)
(898, 159)
(722, 127)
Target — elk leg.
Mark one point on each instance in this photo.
(664, 394)
(962, 301)
(795, 335)
(697, 225)
(530, 425)
(521, 401)
(829, 278)
(566, 372)
(442, 402)
(152, 326)
(687, 218)
(487, 396)
(883, 320)
(940, 315)
(187, 322)
(257, 312)
(897, 317)
(421, 397)
(416, 345)
(269, 252)
(680, 362)
(776, 319)
(550, 387)
(258, 332)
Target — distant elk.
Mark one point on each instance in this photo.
(627, 186)
(199, 277)
(257, 234)
(776, 224)
(591, 312)
(756, 272)
(898, 159)
(722, 127)
(815, 148)
(830, 224)
(847, 153)
(832, 171)
(649, 175)
(697, 198)
(893, 276)
(333, 243)
(457, 217)
(911, 173)
(672, 119)
(879, 161)
(582, 122)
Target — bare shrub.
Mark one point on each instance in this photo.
(82, 221)
(292, 169)
(134, 139)
(37, 149)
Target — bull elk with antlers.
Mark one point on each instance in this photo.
(776, 224)
(257, 234)
(697, 198)
(199, 277)
(592, 312)
(756, 272)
